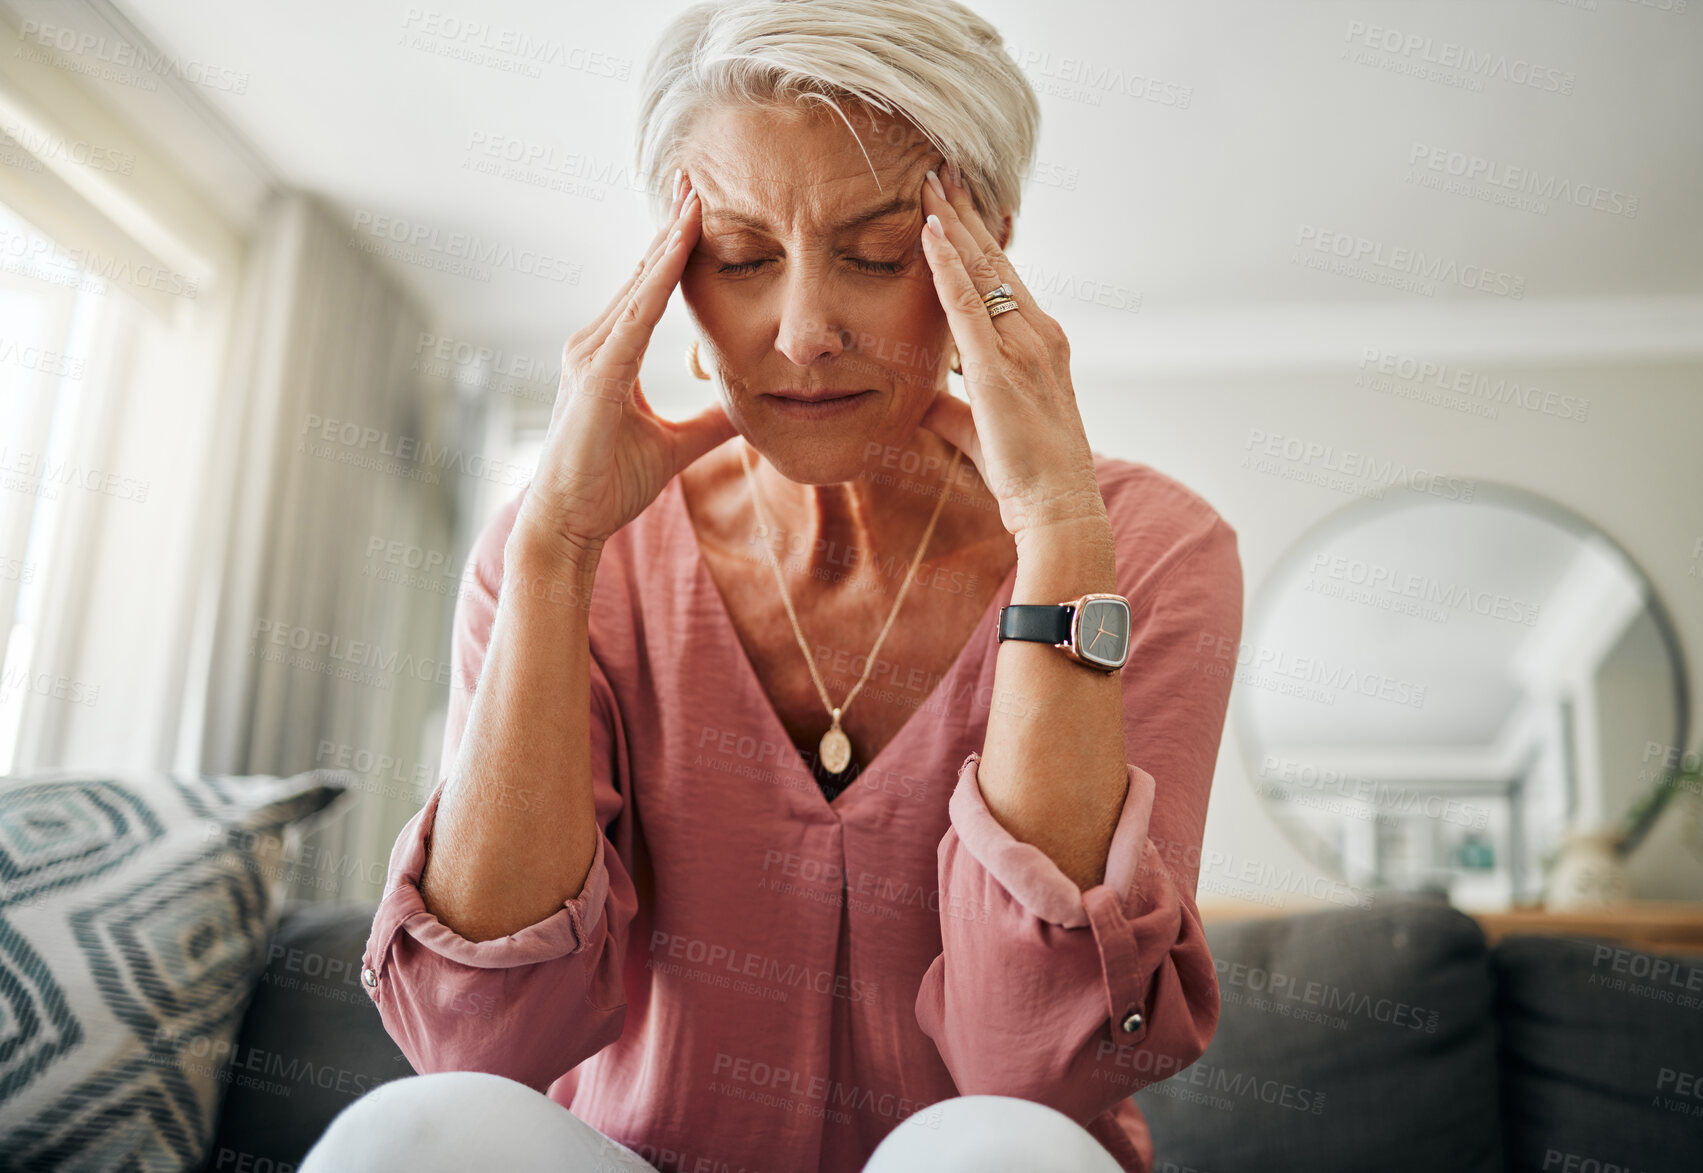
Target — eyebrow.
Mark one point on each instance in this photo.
(892, 206)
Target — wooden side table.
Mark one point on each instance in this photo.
(1659, 926)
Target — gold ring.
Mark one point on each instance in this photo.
(1003, 305)
(997, 292)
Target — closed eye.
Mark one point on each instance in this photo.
(885, 267)
(877, 266)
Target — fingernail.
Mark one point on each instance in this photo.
(673, 239)
(934, 223)
(954, 176)
(691, 198)
(934, 182)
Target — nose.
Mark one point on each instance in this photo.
(809, 330)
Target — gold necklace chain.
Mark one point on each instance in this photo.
(835, 745)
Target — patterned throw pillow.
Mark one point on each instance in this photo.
(135, 911)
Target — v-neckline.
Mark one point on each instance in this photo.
(702, 577)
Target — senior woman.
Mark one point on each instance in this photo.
(798, 810)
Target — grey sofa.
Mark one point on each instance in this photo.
(1389, 1038)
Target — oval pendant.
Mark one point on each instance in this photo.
(836, 750)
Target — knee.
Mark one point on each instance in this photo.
(990, 1134)
(452, 1120)
(394, 1125)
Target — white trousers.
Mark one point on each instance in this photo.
(459, 1120)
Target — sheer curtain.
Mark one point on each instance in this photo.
(329, 590)
(116, 286)
(228, 537)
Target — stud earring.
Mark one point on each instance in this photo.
(692, 363)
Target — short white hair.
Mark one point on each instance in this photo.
(933, 62)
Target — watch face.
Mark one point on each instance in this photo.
(1102, 631)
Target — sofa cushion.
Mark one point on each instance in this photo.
(134, 914)
(1349, 1039)
(1602, 1056)
(312, 1039)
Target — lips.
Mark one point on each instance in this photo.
(815, 396)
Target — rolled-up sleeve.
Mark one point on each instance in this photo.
(536, 1003)
(1075, 998)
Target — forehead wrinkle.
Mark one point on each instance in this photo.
(787, 188)
(898, 205)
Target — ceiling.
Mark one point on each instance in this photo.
(1191, 157)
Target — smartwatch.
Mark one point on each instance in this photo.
(1092, 630)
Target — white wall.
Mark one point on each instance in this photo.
(1632, 467)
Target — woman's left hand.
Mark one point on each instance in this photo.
(1021, 427)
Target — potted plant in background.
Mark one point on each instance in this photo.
(1589, 869)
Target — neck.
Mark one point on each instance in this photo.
(876, 519)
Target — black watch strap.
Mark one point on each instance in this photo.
(1047, 623)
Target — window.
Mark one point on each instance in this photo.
(50, 310)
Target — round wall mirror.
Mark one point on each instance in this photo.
(1431, 693)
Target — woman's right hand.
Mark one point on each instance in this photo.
(606, 454)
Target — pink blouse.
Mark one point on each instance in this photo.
(754, 978)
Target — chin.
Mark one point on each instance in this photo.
(811, 464)
(814, 459)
